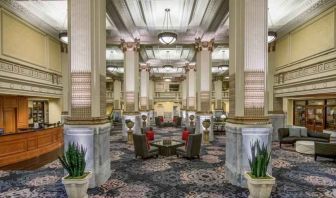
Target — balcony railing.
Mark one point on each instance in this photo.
(225, 95)
(168, 95)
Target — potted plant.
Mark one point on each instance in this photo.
(206, 124)
(130, 125)
(259, 182)
(73, 161)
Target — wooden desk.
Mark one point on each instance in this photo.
(16, 147)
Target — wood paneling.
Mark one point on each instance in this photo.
(22, 146)
(13, 113)
(22, 121)
(10, 120)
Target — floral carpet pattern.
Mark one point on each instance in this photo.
(297, 175)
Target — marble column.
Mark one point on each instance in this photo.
(275, 111)
(204, 85)
(191, 93)
(184, 101)
(88, 124)
(65, 81)
(248, 63)
(151, 102)
(131, 86)
(117, 97)
(144, 93)
(218, 87)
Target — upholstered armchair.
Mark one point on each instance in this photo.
(192, 148)
(327, 150)
(142, 148)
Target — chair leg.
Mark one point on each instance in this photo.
(280, 144)
(315, 156)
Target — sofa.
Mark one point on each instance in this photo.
(291, 135)
(323, 149)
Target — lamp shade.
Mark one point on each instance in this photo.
(271, 36)
(64, 37)
(167, 38)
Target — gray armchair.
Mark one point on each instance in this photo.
(327, 150)
(193, 147)
(141, 149)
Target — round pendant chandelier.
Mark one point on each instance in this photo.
(167, 37)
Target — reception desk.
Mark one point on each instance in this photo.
(29, 143)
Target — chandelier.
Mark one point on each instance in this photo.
(167, 37)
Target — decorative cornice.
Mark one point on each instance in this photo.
(86, 121)
(26, 15)
(249, 120)
(313, 11)
(32, 74)
(204, 45)
(130, 46)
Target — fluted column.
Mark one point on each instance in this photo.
(218, 86)
(116, 94)
(184, 101)
(65, 82)
(248, 63)
(88, 124)
(131, 85)
(144, 93)
(191, 93)
(204, 86)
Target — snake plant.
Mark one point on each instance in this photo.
(259, 160)
(73, 161)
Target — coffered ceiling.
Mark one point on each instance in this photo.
(190, 19)
(143, 19)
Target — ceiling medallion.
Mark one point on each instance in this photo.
(167, 37)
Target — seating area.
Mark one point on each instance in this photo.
(291, 135)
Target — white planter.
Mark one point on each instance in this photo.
(259, 188)
(77, 188)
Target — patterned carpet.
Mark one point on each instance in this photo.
(297, 175)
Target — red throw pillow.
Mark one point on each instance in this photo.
(150, 135)
(185, 135)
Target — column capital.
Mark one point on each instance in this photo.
(204, 45)
(190, 66)
(130, 46)
(145, 67)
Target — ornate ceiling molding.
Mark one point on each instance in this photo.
(315, 10)
(26, 15)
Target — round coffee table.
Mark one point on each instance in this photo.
(305, 147)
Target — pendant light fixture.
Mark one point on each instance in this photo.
(63, 36)
(167, 37)
(271, 36)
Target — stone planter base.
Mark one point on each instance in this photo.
(77, 187)
(259, 188)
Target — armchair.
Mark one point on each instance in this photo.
(141, 147)
(192, 148)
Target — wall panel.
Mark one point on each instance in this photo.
(21, 41)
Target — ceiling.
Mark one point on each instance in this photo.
(143, 19)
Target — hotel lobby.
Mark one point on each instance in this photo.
(168, 98)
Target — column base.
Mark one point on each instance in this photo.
(238, 151)
(136, 118)
(199, 127)
(278, 121)
(96, 139)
